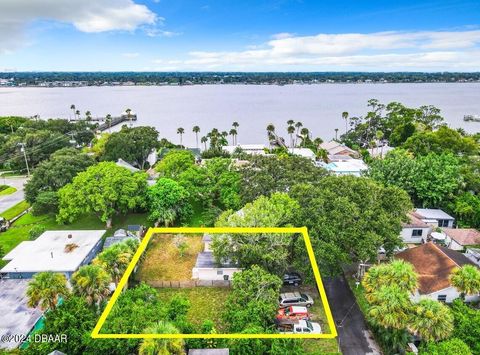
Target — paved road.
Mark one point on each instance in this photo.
(11, 200)
(353, 335)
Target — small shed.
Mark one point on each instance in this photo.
(206, 269)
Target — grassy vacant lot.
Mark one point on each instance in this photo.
(15, 210)
(163, 260)
(19, 231)
(6, 190)
(205, 303)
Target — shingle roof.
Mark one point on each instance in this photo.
(463, 236)
(433, 264)
(415, 222)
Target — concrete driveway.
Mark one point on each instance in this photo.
(11, 200)
(353, 335)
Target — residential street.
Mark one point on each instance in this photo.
(10, 200)
(353, 335)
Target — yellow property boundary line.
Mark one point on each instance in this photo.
(228, 230)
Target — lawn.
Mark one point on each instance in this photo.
(163, 260)
(206, 303)
(6, 190)
(15, 210)
(19, 231)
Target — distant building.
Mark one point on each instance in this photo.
(336, 148)
(460, 238)
(434, 217)
(303, 152)
(348, 167)
(254, 149)
(434, 265)
(57, 251)
(415, 231)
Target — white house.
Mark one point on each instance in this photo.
(474, 255)
(57, 251)
(434, 217)
(347, 167)
(434, 265)
(460, 238)
(415, 231)
(302, 152)
(255, 149)
(206, 269)
(336, 148)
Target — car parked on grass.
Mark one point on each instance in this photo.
(292, 278)
(295, 299)
(299, 327)
(293, 313)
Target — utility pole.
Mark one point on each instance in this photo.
(22, 149)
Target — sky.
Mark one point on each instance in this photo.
(239, 35)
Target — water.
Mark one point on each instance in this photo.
(318, 107)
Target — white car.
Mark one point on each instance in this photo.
(299, 327)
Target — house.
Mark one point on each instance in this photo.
(473, 254)
(119, 236)
(415, 230)
(460, 238)
(57, 251)
(336, 148)
(303, 152)
(434, 265)
(206, 269)
(434, 217)
(17, 318)
(348, 167)
(122, 163)
(254, 149)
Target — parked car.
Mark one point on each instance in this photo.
(299, 327)
(295, 299)
(292, 278)
(293, 313)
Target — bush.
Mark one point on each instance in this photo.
(178, 307)
(46, 202)
(36, 231)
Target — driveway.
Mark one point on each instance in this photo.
(353, 335)
(11, 200)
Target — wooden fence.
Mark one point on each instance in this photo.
(189, 284)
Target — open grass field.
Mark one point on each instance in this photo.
(164, 261)
(205, 303)
(19, 231)
(15, 210)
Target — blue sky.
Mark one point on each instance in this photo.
(247, 35)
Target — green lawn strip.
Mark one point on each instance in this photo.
(320, 346)
(196, 219)
(15, 210)
(8, 190)
(205, 303)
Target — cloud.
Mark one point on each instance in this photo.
(130, 55)
(156, 32)
(283, 35)
(425, 50)
(90, 16)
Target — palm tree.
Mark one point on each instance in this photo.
(72, 107)
(233, 132)
(345, 117)
(161, 346)
(204, 140)
(290, 122)
(45, 288)
(88, 115)
(398, 272)
(91, 282)
(77, 112)
(180, 131)
(196, 130)
(298, 125)
(129, 115)
(291, 131)
(466, 280)
(336, 133)
(390, 307)
(115, 260)
(304, 133)
(379, 136)
(235, 126)
(431, 320)
(108, 120)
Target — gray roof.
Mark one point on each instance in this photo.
(208, 352)
(431, 213)
(206, 259)
(17, 317)
(114, 240)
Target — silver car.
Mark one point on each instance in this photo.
(295, 299)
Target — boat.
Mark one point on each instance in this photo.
(471, 118)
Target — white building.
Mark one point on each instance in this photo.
(434, 217)
(415, 231)
(303, 152)
(460, 238)
(254, 149)
(474, 255)
(434, 265)
(206, 269)
(349, 167)
(57, 251)
(336, 148)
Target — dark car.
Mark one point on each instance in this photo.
(292, 278)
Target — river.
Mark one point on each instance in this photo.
(318, 107)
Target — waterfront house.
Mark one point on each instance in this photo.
(57, 251)
(434, 265)
(415, 231)
(302, 152)
(336, 148)
(460, 238)
(434, 217)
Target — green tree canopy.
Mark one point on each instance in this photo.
(104, 189)
(175, 162)
(466, 279)
(115, 259)
(431, 320)
(452, 346)
(45, 288)
(92, 283)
